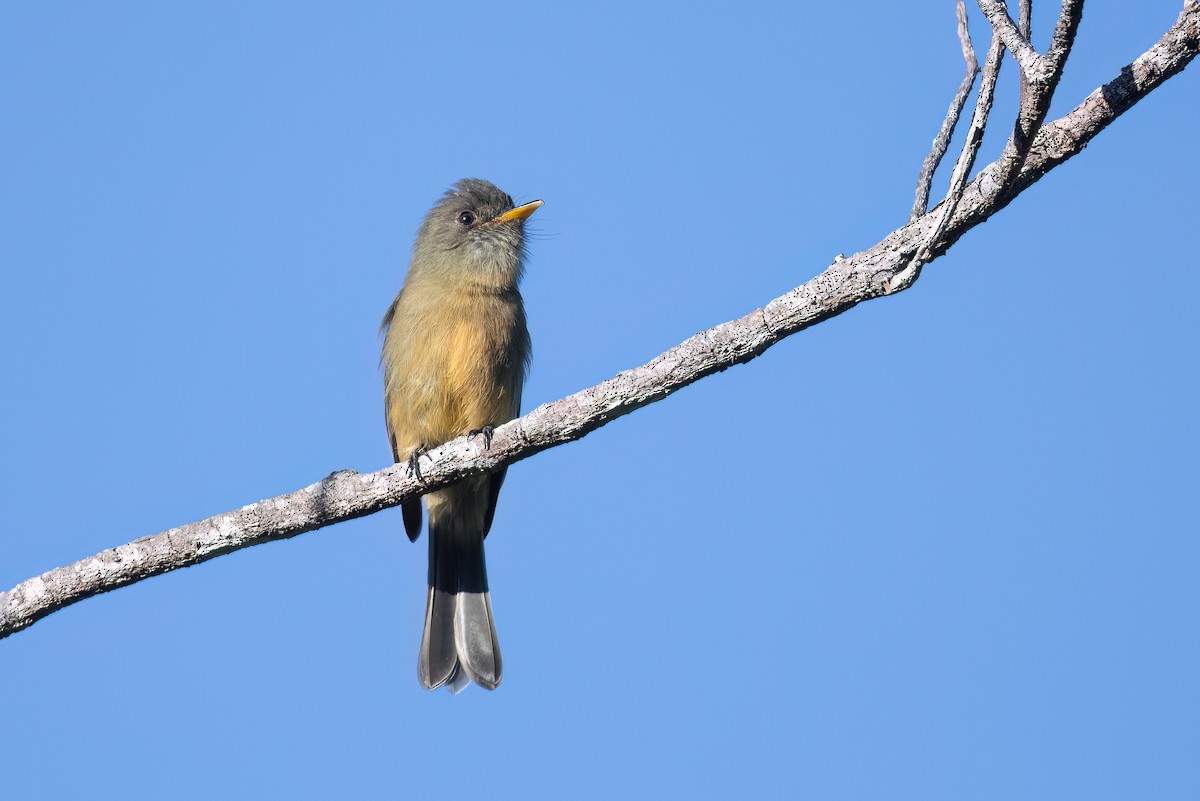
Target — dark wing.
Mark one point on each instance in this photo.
(388, 315)
(411, 512)
(493, 491)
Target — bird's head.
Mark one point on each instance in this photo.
(476, 232)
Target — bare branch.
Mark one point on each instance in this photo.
(941, 142)
(962, 169)
(1035, 102)
(841, 286)
(1063, 38)
(1065, 137)
(1031, 64)
(1025, 27)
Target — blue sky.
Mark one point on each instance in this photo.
(941, 547)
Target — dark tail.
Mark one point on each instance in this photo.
(460, 635)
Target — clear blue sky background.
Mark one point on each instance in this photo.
(942, 547)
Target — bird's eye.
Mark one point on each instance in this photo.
(466, 218)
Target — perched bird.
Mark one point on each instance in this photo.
(455, 354)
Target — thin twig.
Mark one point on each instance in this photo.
(844, 284)
(1025, 27)
(1063, 37)
(962, 168)
(1031, 64)
(941, 142)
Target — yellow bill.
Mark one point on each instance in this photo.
(520, 212)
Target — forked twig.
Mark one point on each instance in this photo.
(941, 142)
(962, 168)
(1041, 76)
(1032, 64)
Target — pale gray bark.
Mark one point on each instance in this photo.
(1037, 88)
(1025, 26)
(847, 282)
(1032, 65)
(941, 142)
(962, 168)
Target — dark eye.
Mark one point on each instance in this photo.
(466, 218)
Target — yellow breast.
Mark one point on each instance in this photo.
(453, 362)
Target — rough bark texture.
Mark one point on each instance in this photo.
(843, 285)
(941, 142)
(1037, 88)
(1032, 65)
(962, 168)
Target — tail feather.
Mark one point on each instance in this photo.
(459, 642)
(438, 661)
(475, 639)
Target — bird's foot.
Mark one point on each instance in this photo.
(414, 461)
(487, 432)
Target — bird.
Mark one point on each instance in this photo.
(456, 352)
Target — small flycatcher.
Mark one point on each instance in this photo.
(455, 354)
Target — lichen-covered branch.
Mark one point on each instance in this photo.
(844, 284)
(1037, 88)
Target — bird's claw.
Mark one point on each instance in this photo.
(487, 432)
(414, 461)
